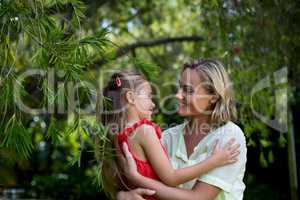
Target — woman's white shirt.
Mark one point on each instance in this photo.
(229, 178)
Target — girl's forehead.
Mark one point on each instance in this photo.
(145, 86)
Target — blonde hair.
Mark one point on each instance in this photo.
(111, 114)
(217, 82)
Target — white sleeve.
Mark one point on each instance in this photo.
(225, 176)
(165, 139)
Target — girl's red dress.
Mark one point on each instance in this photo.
(143, 166)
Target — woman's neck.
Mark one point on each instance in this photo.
(199, 124)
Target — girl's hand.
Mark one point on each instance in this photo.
(127, 164)
(227, 155)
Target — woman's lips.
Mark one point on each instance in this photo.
(182, 104)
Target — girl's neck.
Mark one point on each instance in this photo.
(132, 117)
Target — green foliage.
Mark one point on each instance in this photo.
(151, 71)
(75, 41)
(34, 34)
(64, 185)
(15, 136)
(104, 152)
(53, 133)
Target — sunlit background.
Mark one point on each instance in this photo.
(50, 47)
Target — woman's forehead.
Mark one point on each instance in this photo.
(190, 77)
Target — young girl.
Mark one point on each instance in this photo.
(128, 118)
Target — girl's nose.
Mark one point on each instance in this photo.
(153, 105)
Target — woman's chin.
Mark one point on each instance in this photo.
(182, 112)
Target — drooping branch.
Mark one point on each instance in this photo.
(147, 44)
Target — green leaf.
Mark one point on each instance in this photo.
(263, 161)
(271, 156)
(16, 137)
(282, 141)
(53, 133)
(265, 143)
(151, 71)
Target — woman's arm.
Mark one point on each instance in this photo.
(135, 194)
(201, 191)
(155, 154)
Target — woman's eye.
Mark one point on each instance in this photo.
(188, 90)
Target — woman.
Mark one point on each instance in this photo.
(206, 98)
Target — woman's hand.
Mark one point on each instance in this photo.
(135, 194)
(227, 155)
(127, 164)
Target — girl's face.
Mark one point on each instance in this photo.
(192, 97)
(143, 101)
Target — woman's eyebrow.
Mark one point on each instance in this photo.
(187, 85)
(184, 84)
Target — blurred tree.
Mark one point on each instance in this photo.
(76, 41)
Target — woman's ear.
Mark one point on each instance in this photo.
(129, 97)
(214, 99)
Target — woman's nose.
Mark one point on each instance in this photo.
(179, 95)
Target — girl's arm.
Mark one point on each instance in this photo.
(201, 191)
(155, 154)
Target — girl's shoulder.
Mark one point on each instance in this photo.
(148, 127)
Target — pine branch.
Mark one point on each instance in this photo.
(147, 44)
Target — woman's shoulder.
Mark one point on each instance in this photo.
(175, 130)
(231, 129)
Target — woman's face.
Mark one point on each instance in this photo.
(192, 97)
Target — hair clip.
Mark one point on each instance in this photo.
(118, 82)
